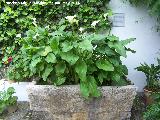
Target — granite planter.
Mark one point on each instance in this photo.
(66, 102)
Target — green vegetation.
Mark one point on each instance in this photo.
(152, 73)
(7, 99)
(153, 111)
(152, 5)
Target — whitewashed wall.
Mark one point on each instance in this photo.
(20, 89)
(139, 25)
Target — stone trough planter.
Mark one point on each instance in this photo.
(66, 102)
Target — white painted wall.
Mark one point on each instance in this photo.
(20, 89)
(147, 41)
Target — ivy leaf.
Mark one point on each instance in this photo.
(60, 68)
(30, 33)
(84, 89)
(62, 27)
(60, 80)
(54, 44)
(46, 51)
(104, 65)
(81, 69)
(51, 58)
(47, 72)
(112, 38)
(69, 57)
(86, 45)
(66, 46)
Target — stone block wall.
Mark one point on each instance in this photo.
(66, 103)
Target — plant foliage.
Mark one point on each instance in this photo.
(7, 98)
(152, 73)
(63, 57)
(153, 111)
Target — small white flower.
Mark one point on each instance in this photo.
(18, 35)
(105, 15)
(36, 36)
(57, 3)
(81, 29)
(77, 3)
(94, 47)
(71, 19)
(97, 56)
(42, 3)
(94, 23)
(34, 19)
(24, 3)
(47, 27)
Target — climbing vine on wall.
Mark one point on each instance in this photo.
(16, 19)
(152, 5)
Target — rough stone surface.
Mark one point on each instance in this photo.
(3, 71)
(66, 102)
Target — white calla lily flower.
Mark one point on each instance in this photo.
(81, 29)
(57, 3)
(18, 35)
(71, 19)
(94, 23)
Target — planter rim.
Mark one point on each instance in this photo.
(69, 86)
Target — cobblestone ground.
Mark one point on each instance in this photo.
(24, 113)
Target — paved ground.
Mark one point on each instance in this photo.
(24, 113)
